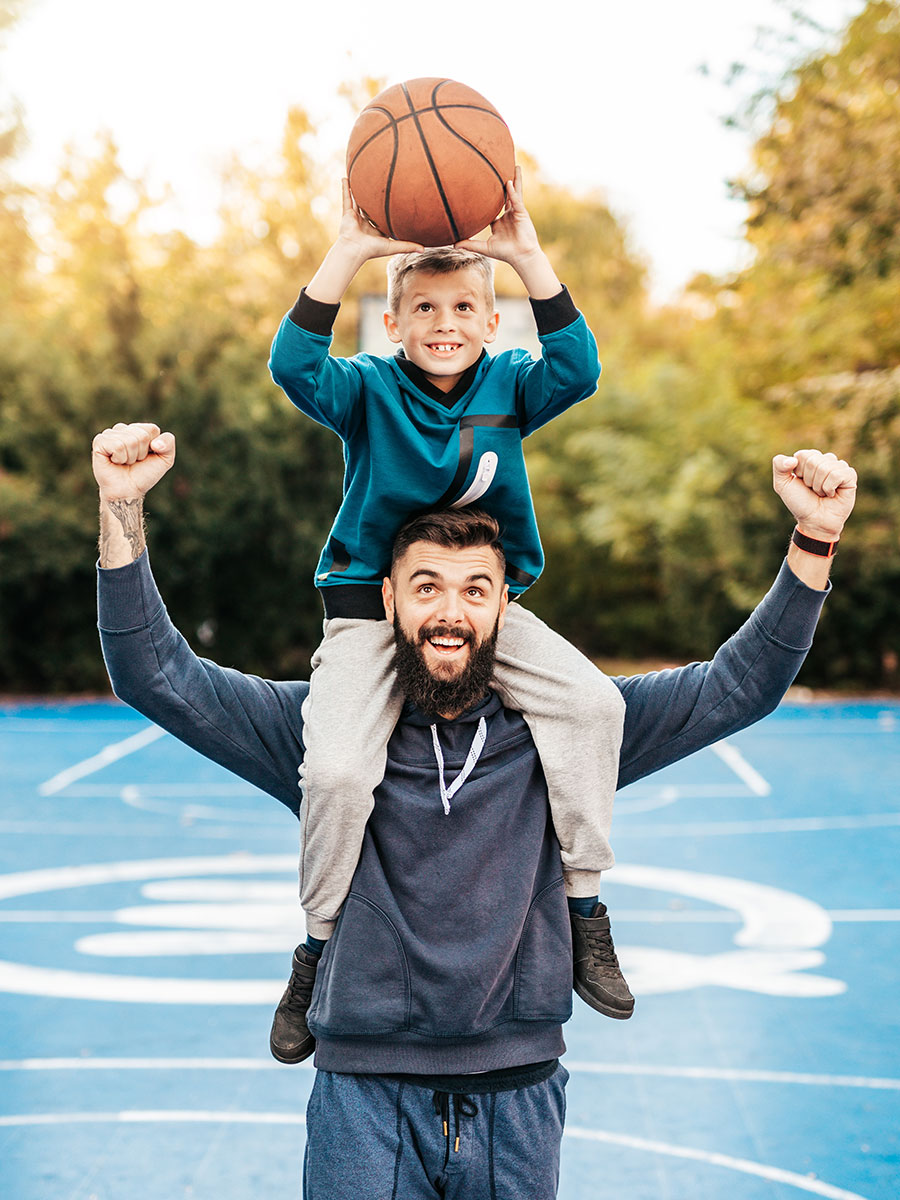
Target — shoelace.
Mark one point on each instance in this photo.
(601, 951)
(299, 993)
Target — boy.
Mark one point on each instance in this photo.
(441, 425)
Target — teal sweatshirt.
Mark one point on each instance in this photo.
(410, 448)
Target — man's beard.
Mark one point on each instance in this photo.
(433, 695)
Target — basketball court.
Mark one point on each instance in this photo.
(148, 910)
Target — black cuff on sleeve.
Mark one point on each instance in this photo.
(555, 313)
(313, 315)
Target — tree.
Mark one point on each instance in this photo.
(824, 223)
(130, 325)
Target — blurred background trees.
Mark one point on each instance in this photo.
(654, 497)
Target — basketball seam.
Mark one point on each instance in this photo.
(389, 183)
(434, 172)
(393, 122)
(465, 141)
(472, 146)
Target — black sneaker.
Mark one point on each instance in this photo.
(290, 1040)
(598, 980)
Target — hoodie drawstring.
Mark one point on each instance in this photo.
(447, 793)
(463, 1106)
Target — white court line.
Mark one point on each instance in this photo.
(732, 757)
(723, 1074)
(133, 796)
(153, 1116)
(765, 825)
(745, 1166)
(109, 754)
(73, 725)
(865, 914)
(189, 791)
(24, 883)
(737, 1075)
(265, 827)
(183, 1116)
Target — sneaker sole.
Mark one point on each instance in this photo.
(291, 1060)
(618, 1014)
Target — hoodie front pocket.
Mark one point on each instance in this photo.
(363, 979)
(543, 987)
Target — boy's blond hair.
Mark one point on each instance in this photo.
(439, 260)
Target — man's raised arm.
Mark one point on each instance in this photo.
(251, 726)
(670, 714)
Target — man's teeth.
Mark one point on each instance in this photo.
(445, 641)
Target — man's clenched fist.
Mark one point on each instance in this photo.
(128, 460)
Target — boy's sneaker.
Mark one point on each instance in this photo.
(598, 980)
(290, 1040)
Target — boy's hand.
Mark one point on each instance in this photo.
(514, 240)
(358, 232)
(357, 241)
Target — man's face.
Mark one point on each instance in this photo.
(443, 322)
(447, 607)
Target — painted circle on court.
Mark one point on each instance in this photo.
(210, 906)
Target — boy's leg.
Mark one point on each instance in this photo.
(348, 718)
(575, 714)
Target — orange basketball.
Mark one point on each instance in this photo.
(428, 161)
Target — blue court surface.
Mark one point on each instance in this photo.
(148, 911)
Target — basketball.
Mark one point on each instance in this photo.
(428, 161)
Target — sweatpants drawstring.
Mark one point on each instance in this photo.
(462, 1106)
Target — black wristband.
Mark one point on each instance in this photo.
(813, 545)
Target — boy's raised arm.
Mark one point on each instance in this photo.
(322, 386)
(568, 368)
(514, 240)
(357, 241)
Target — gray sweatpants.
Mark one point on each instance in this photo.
(575, 714)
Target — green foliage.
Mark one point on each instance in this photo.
(652, 549)
(824, 221)
(131, 327)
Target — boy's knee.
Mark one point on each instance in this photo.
(599, 701)
(344, 777)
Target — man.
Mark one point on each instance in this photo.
(440, 999)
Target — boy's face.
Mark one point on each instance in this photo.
(443, 322)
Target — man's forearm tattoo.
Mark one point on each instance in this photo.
(130, 514)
